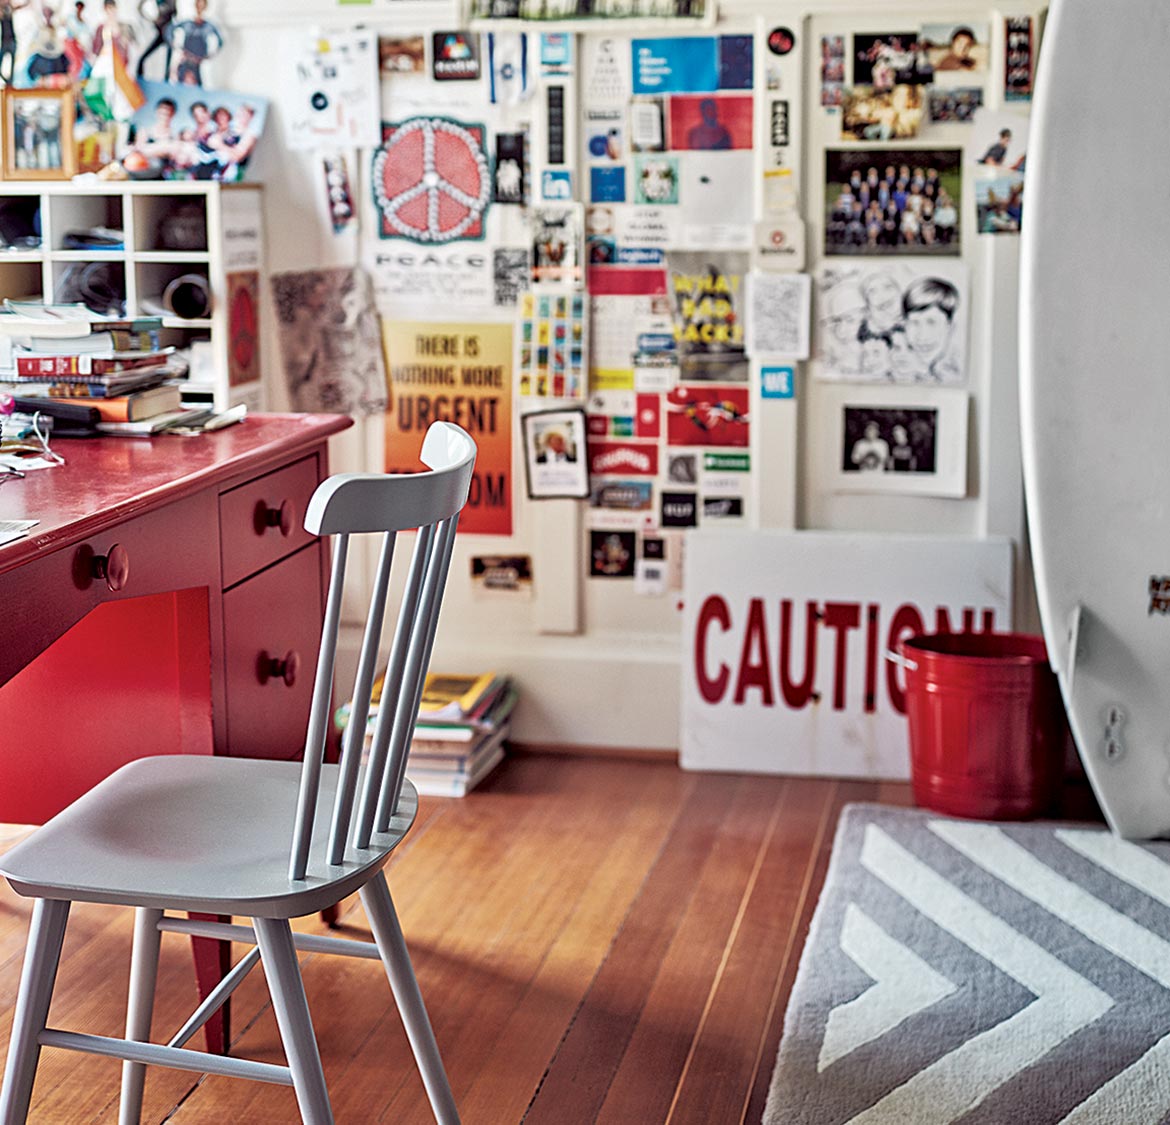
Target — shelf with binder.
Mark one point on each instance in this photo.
(189, 251)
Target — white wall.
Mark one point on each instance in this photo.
(597, 664)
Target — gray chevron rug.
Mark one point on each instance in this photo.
(982, 973)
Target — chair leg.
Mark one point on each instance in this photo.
(379, 907)
(279, 957)
(140, 1007)
(46, 933)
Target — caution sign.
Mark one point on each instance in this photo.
(459, 373)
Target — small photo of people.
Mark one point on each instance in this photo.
(896, 58)
(1000, 150)
(185, 132)
(892, 201)
(832, 69)
(956, 106)
(891, 115)
(555, 459)
(957, 47)
(883, 440)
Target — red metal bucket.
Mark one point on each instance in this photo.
(987, 725)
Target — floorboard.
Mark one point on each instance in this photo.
(599, 939)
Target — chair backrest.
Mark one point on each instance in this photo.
(356, 503)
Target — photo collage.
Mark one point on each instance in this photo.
(906, 127)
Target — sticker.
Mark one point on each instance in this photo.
(511, 171)
(1019, 59)
(455, 56)
(653, 547)
(624, 458)
(727, 462)
(607, 185)
(406, 55)
(339, 192)
(604, 135)
(508, 68)
(556, 185)
(722, 507)
(557, 243)
(655, 179)
(780, 244)
(779, 314)
(611, 554)
(779, 120)
(606, 66)
(781, 40)
(511, 272)
(502, 575)
(431, 181)
(777, 382)
(623, 495)
(682, 468)
(647, 132)
(650, 578)
(556, 52)
(680, 509)
(1159, 594)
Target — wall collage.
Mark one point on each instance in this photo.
(601, 236)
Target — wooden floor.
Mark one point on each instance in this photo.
(597, 939)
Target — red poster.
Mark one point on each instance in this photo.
(707, 414)
(711, 121)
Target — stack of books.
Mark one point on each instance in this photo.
(459, 737)
(105, 373)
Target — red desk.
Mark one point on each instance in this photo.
(168, 601)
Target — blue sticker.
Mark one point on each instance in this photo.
(776, 382)
(656, 342)
(556, 185)
(556, 50)
(607, 185)
(640, 256)
(735, 62)
(676, 66)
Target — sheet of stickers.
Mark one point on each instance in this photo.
(668, 126)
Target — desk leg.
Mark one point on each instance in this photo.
(213, 959)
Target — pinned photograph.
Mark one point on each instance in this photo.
(999, 145)
(555, 457)
(954, 106)
(957, 47)
(832, 69)
(893, 201)
(868, 114)
(888, 439)
(405, 55)
(185, 132)
(707, 122)
(895, 58)
(894, 322)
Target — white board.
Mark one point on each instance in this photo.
(1095, 391)
(749, 701)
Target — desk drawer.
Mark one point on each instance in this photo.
(272, 631)
(262, 521)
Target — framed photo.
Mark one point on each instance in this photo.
(896, 439)
(38, 134)
(555, 458)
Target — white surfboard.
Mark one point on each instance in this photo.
(1095, 391)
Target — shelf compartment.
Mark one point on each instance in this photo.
(170, 224)
(98, 282)
(21, 279)
(77, 213)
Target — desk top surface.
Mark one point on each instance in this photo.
(107, 480)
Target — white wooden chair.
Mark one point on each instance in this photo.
(212, 834)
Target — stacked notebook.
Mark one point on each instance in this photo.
(460, 735)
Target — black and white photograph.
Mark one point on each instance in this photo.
(894, 201)
(894, 439)
(892, 322)
(555, 458)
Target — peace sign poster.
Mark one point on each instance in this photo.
(459, 373)
(432, 183)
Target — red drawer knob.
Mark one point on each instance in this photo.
(265, 517)
(112, 568)
(283, 668)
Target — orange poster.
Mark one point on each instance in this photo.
(459, 373)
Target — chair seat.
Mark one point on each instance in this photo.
(199, 833)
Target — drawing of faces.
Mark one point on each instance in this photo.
(904, 364)
(883, 302)
(875, 357)
(845, 308)
(928, 331)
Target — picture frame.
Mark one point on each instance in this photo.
(556, 462)
(895, 439)
(38, 134)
